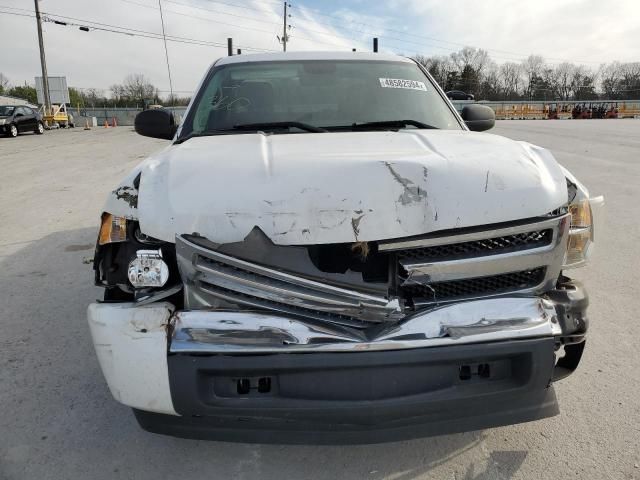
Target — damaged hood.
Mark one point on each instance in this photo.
(316, 188)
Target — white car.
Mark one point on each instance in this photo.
(326, 252)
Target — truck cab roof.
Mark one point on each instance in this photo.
(297, 56)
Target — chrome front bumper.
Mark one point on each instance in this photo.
(489, 320)
(136, 344)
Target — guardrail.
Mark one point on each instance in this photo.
(522, 110)
(123, 116)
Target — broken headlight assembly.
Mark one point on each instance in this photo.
(133, 266)
(148, 269)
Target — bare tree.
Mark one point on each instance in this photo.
(136, 89)
(564, 74)
(582, 83)
(611, 79)
(471, 64)
(630, 79)
(532, 68)
(510, 79)
(476, 58)
(440, 68)
(491, 85)
(4, 83)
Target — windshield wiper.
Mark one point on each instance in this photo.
(277, 125)
(209, 133)
(390, 124)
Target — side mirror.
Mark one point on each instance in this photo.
(478, 117)
(156, 123)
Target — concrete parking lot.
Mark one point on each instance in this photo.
(58, 420)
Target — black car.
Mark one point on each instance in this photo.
(15, 119)
(459, 95)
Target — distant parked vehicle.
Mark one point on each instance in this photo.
(15, 119)
(459, 95)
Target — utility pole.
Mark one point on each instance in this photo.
(43, 63)
(166, 52)
(285, 37)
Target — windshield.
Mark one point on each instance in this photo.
(331, 95)
(6, 111)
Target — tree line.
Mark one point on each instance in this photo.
(136, 91)
(472, 70)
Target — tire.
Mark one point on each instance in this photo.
(13, 131)
(39, 129)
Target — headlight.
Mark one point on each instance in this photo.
(581, 233)
(148, 269)
(3, 121)
(113, 229)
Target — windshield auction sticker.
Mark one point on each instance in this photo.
(399, 83)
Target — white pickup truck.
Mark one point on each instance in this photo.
(326, 252)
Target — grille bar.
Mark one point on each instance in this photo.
(491, 246)
(475, 287)
(453, 237)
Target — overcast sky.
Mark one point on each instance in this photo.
(582, 31)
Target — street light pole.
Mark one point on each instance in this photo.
(43, 63)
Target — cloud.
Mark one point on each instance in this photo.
(582, 31)
(590, 31)
(98, 59)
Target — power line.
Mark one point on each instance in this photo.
(244, 17)
(142, 33)
(17, 14)
(207, 19)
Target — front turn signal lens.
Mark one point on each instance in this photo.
(580, 234)
(581, 214)
(113, 229)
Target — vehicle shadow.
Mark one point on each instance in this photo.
(60, 421)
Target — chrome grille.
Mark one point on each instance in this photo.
(207, 273)
(474, 287)
(524, 258)
(427, 271)
(490, 246)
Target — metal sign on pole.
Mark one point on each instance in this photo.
(57, 91)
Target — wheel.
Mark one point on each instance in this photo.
(13, 131)
(39, 129)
